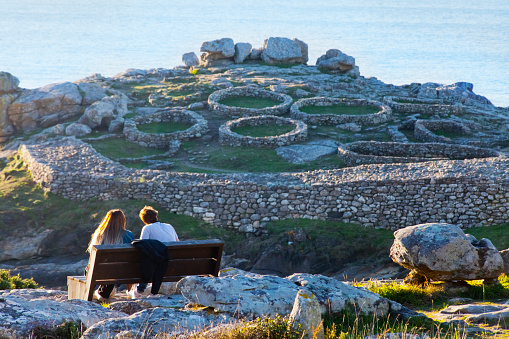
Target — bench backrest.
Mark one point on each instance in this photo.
(120, 264)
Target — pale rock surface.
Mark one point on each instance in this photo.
(472, 309)
(281, 50)
(8, 83)
(26, 246)
(350, 126)
(304, 51)
(62, 101)
(224, 46)
(334, 295)
(102, 113)
(334, 59)
(156, 320)
(256, 295)
(117, 125)
(6, 127)
(21, 310)
(217, 52)
(190, 59)
(300, 93)
(505, 257)
(242, 51)
(306, 312)
(496, 317)
(300, 154)
(77, 129)
(255, 54)
(459, 91)
(91, 92)
(441, 251)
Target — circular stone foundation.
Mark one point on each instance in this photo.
(426, 107)
(383, 115)
(230, 138)
(248, 91)
(372, 152)
(424, 130)
(163, 140)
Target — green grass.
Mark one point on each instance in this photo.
(264, 130)
(448, 134)
(66, 330)
(180, 80)
(247, 159)
(340, 109)
(121, 148)
(249, 102)
(163, 127)
(498, 234)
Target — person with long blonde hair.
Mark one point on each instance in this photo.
(111, 230)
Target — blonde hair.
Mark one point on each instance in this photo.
(148, 215)
(110, 230)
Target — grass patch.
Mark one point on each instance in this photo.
(121, 148)
(67, 330)
(264, 130)
(497, 234)
(8, 282)
(180, 80)
(163, 127)
(449, 134)
(249, 102)
(340, 109)
(247, 159)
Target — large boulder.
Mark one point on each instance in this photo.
(283, 50)
(102, 113)
(334, 59)
(6, 127)
(21, 310)
(77, 129)
(441, 251)
(8, 83)
(217, 52)
(91, 92)
(242, 51)
(39, 107)
(254, 295)
(190, 59)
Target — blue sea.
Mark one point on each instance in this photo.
(399, 42)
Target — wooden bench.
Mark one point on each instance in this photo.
(120, 264)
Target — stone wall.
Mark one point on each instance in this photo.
(423, 130)
(230, 138)
(373, 152)
(248, 91)
(384, 115)
(464, 192)
(426, 107)
(163, 140)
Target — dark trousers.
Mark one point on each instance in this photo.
(105, 290)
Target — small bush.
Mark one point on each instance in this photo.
(67, 330)
(8, 283)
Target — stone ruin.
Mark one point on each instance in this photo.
(230, 138)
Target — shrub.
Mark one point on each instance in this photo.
(67, 330)
(8, 283)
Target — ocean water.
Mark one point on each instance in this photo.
(399, 42)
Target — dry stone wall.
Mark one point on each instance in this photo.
(372, 152)
(248, 91)
(463, 192)
(384, 115)
(423, 130)
(228, 137)
(164, 140)
(426, 107)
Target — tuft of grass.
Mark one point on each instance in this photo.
(163, 127)
(121, 148)
(249, 102)
(8, 282)
(407, 294)
(340, 109)
(496, 233)
(69, 329)
(264, 130)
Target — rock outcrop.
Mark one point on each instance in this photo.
(102, 113)
(441, 251)
(234, 295)
(283, 50)
(217, 52)
(190, 59)
(336, 60)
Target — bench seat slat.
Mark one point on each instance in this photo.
(175, 267)
(173, 253)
